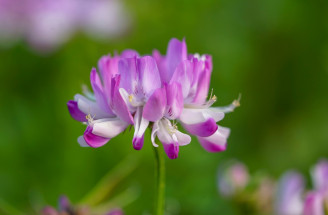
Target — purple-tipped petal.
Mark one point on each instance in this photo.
(75, 111)
(320, 175)
(155, 106)
(183, 75)
(314, 204)
(118, 104)
(129, 53)
(93, 140)
(289, 195)
(138, 142)
(109, 128)
(214, 143)
(49, 211)
(149, 74)
(140, 126)
(176, 53)
(174, 104)
(171, 149)
(203, 129)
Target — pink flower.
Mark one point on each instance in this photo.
(146, 91)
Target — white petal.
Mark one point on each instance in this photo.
(108, 128)
(154, 132)
(183, 139)
(140, 123)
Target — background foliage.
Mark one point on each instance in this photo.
(274, 52)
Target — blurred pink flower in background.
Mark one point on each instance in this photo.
(47, 24)
(233, 178)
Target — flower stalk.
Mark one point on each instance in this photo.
(160, 181)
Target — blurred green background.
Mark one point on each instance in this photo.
(274, 52)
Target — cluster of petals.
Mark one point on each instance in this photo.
(293, 200)
(46, 24)
(154, 92)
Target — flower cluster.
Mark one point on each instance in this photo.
(66, 208)
(288, 197)
(152, 91)
(46, 24)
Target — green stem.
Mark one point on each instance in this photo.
(160, 181)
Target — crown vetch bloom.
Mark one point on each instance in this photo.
(152, 91)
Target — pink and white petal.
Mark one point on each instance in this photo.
(127, 68)
(214, 143)
(155, 106)
(174, 104)
(82, 142)
(90, 107)
(118, 104)
(202, 129)
(202, 87)
(75, 111)
(183, 75)
(149, 74)
(193, 116)
(140, 126)
(314, 204)
(93, 140)
(183, 139)
(224, 131)
(108, 128)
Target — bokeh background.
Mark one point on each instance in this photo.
(273, 52)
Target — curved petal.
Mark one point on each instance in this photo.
(174, 104)
(202, 129)
(183, 139)
(154, 133)
(127, 68)
(93, 140)
(89, 107)
(202, 87)
(171, 150)
(183, 75)
(224, 131)
(118, 104)
(108, 67)
(214, 143)
(176, 53)
(98, 91)
(75, 111)
(193, 116)
(149, 74)
(155, 106)
(140, 126)
(108, 128)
